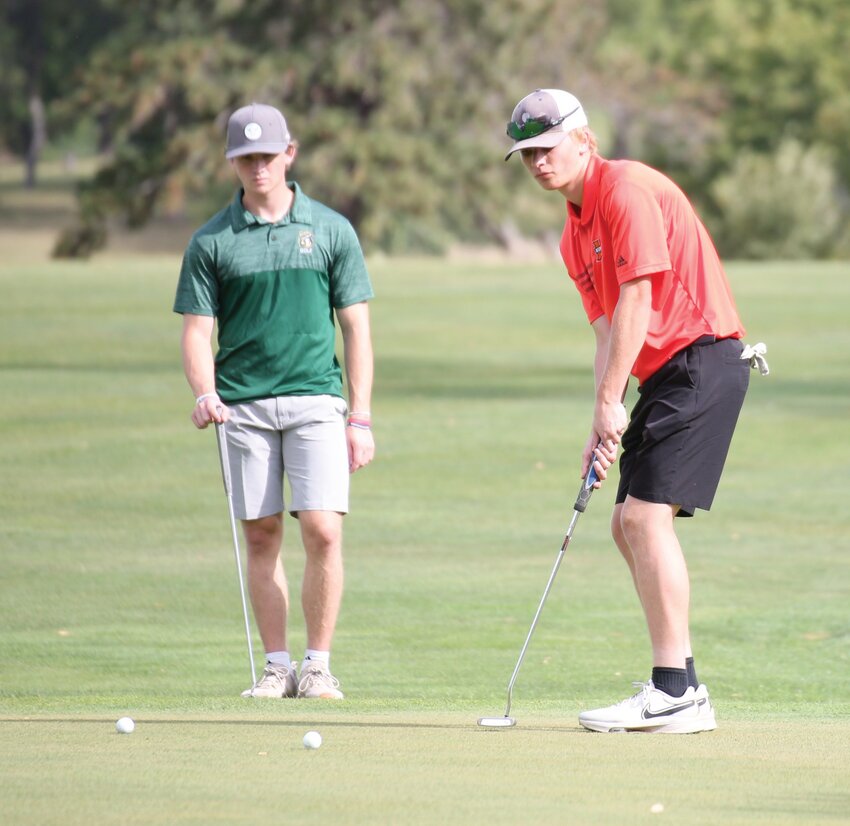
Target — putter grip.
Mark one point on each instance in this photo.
(221, 438)
(586, 490)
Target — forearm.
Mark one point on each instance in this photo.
(618, 345)
(199, 367)
(358, 357)
(359, 369)
(601, 357)
(629, 328)
(198, 362)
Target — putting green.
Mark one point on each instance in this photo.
(417, 769)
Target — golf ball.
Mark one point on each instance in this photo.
(125, 725)
(656, 808)
(312, 740)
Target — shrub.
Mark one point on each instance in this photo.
(782, 205)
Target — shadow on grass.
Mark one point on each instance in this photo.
(301, 723)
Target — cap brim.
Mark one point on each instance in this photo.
(546, 140)
(257, 149)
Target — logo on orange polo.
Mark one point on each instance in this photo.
(597, 249)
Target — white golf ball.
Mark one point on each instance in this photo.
(656, 808)
(312, 740)
(125, 725)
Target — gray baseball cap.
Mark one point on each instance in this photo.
(256, 128)
(544, 118)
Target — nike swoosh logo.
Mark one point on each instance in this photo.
(648, 715)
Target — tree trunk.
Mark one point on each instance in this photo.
(38, 137)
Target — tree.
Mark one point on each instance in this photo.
(399, 106)
(754, 78)
(42, 43)
(779, 205)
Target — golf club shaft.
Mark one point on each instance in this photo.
(221, 437)
(580, 504)
(539, 611)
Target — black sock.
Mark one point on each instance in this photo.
(693, 682)
(672, 681)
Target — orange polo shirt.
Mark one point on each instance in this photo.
(636, 222)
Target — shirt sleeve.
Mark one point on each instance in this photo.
(638, 232)
(350, 281)
(580, 275)
(589, 299)
(197, 287)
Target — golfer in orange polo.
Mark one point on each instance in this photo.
(656, 296)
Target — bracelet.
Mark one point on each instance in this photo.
(359, 424)
(357, 414)
(205, 396)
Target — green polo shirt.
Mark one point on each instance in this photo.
(273, 289)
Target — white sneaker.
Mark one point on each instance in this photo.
(276, 682)
(317, 682)
(652, 710)
(706, 709)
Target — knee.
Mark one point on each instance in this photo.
(630, 526)
(263, 535)
(322, 537)
(624, 526)
(617, 529)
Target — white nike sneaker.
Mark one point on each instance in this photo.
(652, 710)
(706, 709)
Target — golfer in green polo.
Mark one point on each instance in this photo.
(275, 269)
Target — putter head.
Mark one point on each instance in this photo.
(496, 722)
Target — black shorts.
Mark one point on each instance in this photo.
(680, 429)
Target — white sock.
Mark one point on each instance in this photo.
(321, 656)
(279, 658)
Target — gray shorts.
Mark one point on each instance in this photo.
(302, 436)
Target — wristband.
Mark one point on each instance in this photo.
(359, 424)
(205, 396)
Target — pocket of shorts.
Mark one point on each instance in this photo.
(732, 351)
(323, 408)
(691, 364)
(338, 405)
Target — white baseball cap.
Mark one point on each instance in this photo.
(544, 118)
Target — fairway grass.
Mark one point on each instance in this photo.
(119, 594)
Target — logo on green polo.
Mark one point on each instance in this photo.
(305, 242)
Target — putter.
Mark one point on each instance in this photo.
(221, 437)
(581, 503)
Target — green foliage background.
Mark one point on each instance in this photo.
(400, 107)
